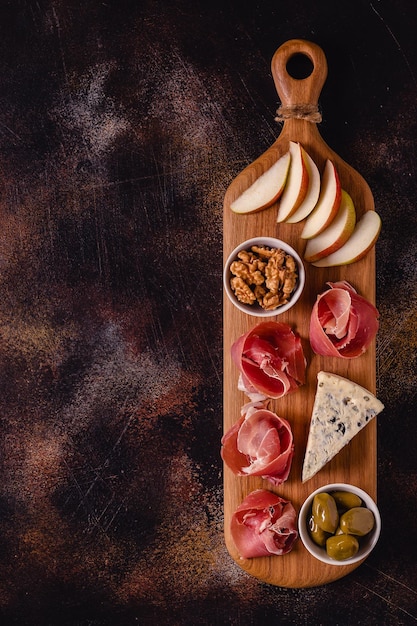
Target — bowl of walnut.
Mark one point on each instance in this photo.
(264, 277)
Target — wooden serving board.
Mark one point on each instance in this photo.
(356, 463)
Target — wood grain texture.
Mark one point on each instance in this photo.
(356, 463)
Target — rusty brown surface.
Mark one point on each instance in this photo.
(122, 124)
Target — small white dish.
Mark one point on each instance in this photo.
(366, 543)
(255, 309)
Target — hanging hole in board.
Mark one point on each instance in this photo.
(299, 66)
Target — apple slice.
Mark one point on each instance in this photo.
(335, 235)
(363, 238)
(296, 185)
(266, 189)
(328, 204)
(313, 191)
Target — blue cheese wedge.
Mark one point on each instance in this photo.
(341, 409)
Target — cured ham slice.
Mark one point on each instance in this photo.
(271, 361)
(263, 525)
(259, 444)
(342, 322)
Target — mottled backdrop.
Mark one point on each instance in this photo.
(121, 125)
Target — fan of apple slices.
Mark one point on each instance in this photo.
(334, 236)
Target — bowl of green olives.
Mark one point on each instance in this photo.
(339, 524)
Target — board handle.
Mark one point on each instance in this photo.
(299, 92)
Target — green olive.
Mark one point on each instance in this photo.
(325, 513)
(357, 521)
(346, 499)
(318, 535)
(342, 547)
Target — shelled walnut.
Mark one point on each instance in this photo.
(264, 275)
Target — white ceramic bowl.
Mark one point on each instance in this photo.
(255, 309)
(366, 544)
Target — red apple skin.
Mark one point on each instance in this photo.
(330, 172)
(302, 183)
(347, 215)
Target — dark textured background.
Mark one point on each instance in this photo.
(121, 125)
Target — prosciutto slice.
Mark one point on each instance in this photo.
(259, 444)
(264, 524)
(270, 359)
(342, 322)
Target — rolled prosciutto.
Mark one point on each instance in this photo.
(263, 525)
(270, 359)
(342, 322)
(259, 444)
